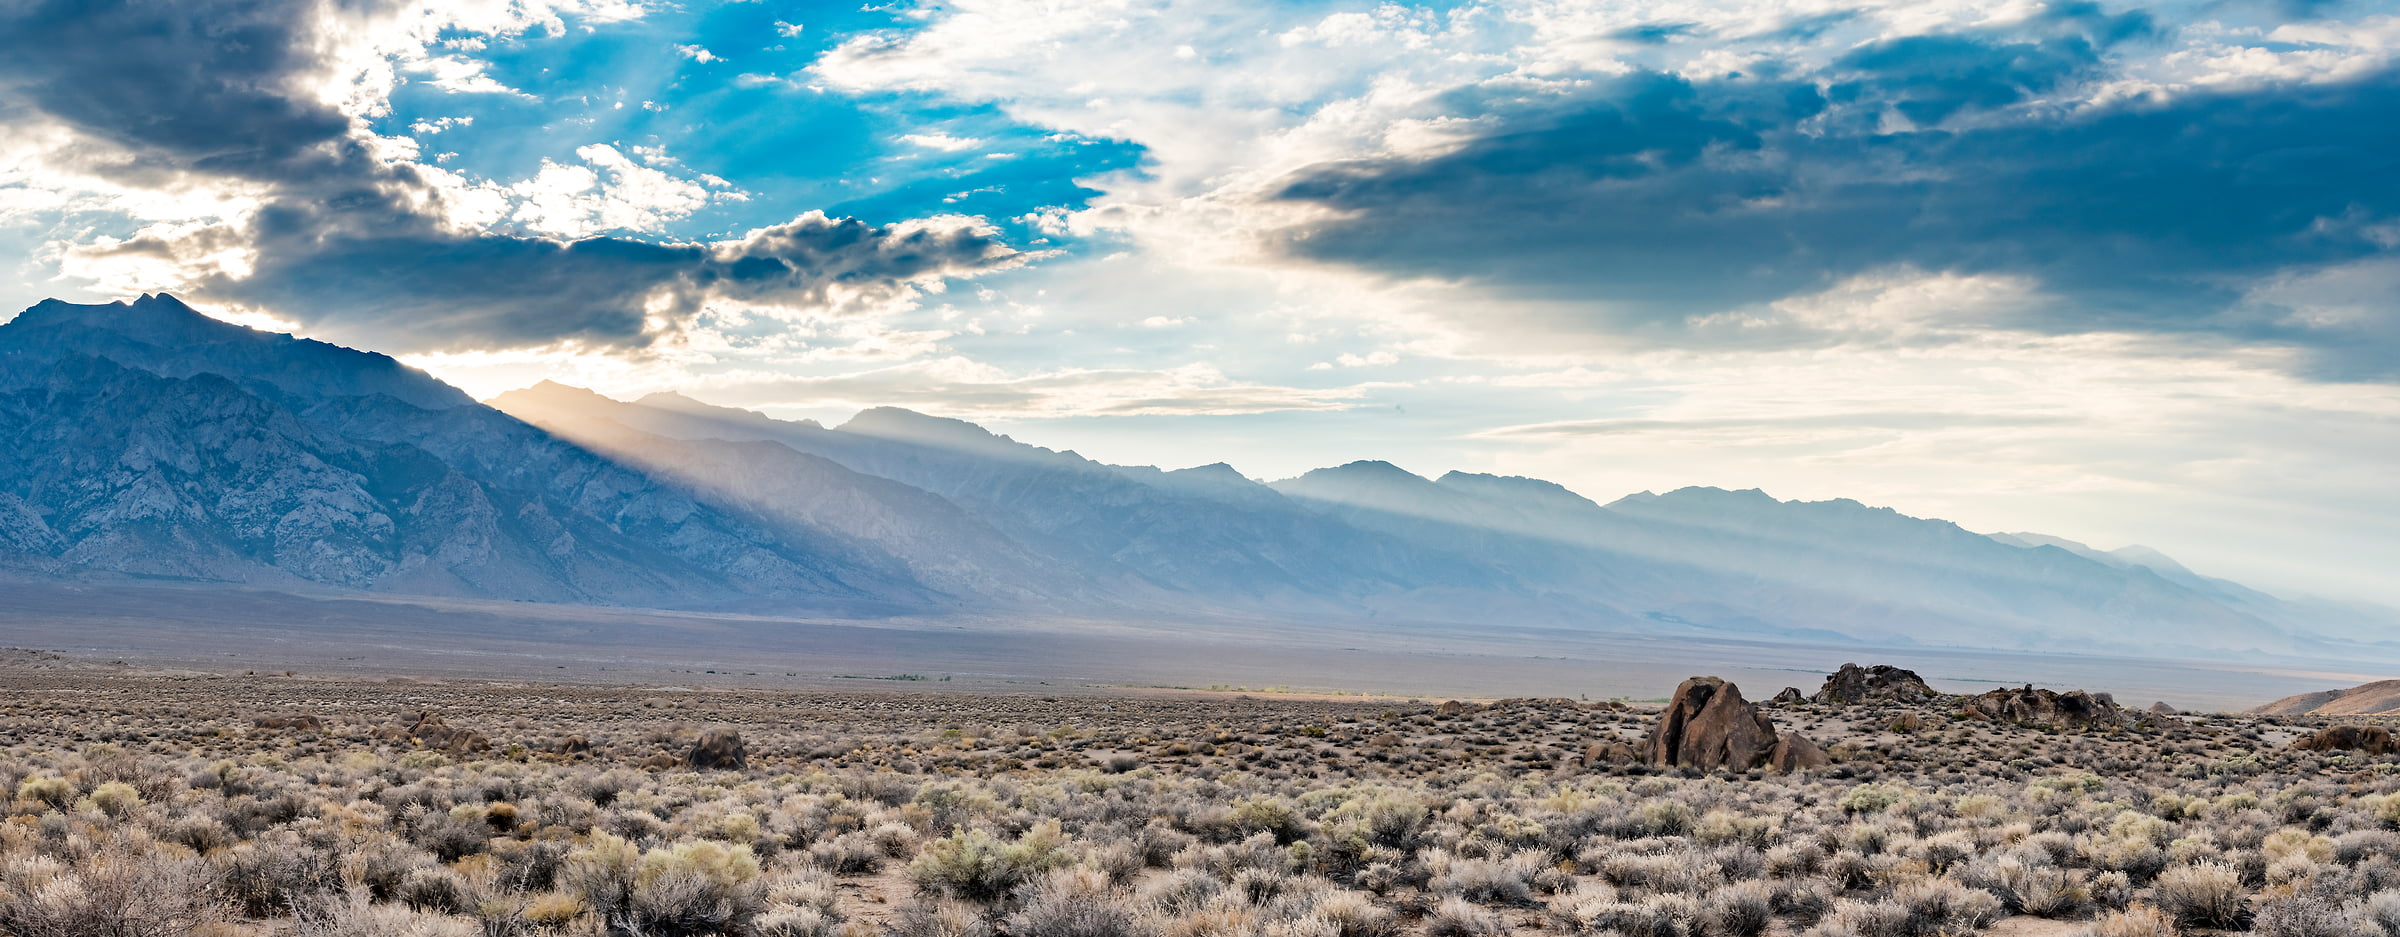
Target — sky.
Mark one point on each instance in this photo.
(2123, 273)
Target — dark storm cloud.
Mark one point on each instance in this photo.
(1662, 198)
(214, 92)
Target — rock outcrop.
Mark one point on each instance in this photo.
(2030, 706)
(1611, 752)
(1790, 695)
(1795, 752)
(2161, 708)
(1708, 725)
(719, 750)
(426, 730)
(1854, 684)
(289, 723)
(2372, 740)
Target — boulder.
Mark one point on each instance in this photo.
(2161, 708)
(1611, 752)
(289, 723)
(1795, 752)
(1790, 695)
(1708, 725)
(661, 761)
(1907, 722)
(2073, 711)
(2372, 740)
(572, 745)
(1854, 684)
(427, 730)
(719, 750)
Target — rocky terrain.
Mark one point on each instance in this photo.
(222, 804)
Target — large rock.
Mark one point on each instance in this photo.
(721, 749)
(426, 730)
(1880, 683)
(301, 723)
(1795, 752)
(2372, 740)
(1708, 725)
(2029, 706)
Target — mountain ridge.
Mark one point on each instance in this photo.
(173, 444)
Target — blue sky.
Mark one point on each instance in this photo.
(2114, 271)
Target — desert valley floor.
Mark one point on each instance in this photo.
(177, 800)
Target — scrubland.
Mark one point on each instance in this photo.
(159, 805)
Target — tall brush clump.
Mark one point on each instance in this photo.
(123, 889)
(976, 865)
(2203, 894)
(691, 888)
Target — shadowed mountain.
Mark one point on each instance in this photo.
(150, 440)
(146, 440)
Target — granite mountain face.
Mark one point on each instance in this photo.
(146, 440)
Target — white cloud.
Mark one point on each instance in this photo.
(575, 201)
(698, 54)
(941, 141)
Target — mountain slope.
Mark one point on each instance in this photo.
(152, 441)
(143, 439)
(1197, 535)
(940, 545)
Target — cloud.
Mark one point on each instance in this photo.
(323, 222)
(1778, 426)
(1664, 198)
(961, 388)
(941, 141)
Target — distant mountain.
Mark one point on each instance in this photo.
(1155, 537)
(146, 440)
(1370, 539)
(2381, 697)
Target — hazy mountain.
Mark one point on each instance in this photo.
(1151, 536)
(936, 541)
(149, 440)
(144, 439)
(1741, 560)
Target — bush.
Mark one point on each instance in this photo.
(1851, 918)
(2140, 920)
(1072, 903)
(114, 893)
(944, 918)
(2206, 894)
(1742, 909)
(2308, 912)
(54, 793)
(1454, 917)
(973, 864)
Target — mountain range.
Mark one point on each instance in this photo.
(145, 440)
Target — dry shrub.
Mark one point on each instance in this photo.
(2205, 894)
